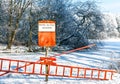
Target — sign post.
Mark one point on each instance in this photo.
(46, 37)
(46, 68)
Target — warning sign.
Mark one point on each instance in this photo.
(46, 33)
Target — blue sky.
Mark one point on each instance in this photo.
(107, 6)
(112, 6)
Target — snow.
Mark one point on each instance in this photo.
(101, 58)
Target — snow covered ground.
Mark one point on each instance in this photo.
(101, 58)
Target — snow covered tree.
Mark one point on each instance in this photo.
(118, 23)
(110, 25)
(86, 24)
(16, 9)
(57, 10)
(3, 22)
(71, 29)
(76, 23)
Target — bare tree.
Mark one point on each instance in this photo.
(33, 22)
(16, 9)
(87, 24)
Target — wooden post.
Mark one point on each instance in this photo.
(46, 38)
(46, 68)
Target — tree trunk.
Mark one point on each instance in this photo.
(11, 39)
(12, 36)
(30, 40)
(30, 31)
(10, 26)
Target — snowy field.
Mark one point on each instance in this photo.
(101, 58)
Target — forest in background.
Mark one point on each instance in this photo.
(77, 23)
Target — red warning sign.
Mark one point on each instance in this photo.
(46, 33)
